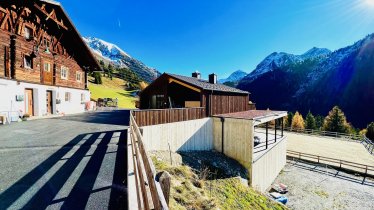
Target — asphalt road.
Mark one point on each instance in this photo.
(74, 162)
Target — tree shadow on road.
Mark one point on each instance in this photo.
(83, 188)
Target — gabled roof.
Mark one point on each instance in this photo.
(206, 85)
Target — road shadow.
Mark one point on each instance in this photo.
(330, 171)
(82, 189)
(110, 117)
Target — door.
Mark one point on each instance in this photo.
(29, 102)
(49, 102)
(47, 73)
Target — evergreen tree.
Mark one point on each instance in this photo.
(97, 76)
(289, 119)
(319, 121)
(370, 131)
(110, 71)
(297, 122)
(336, 121)
(310, 122)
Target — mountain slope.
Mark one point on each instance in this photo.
(235, 77)
(317, 80)
(113, 54)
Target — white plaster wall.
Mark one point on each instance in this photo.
(9, 89)
(192, 135)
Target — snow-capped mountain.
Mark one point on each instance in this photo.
(279, 59)
(317, 80)
(112, 53)
(234, 77)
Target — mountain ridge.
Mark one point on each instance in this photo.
(344, 77)
(113, 54)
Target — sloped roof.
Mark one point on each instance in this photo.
(253, 114)
(206, 85)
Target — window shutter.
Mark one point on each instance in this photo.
(22, 60)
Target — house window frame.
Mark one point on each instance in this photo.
(64, 72)
(78, 76)
(28, 64)
(27, 32)
(67, 96)
(49, 66)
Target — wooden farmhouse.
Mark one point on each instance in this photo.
(43, 60)
(172, 91)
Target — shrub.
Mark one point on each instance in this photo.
(297, 121)
(336, 121)
(97, 76)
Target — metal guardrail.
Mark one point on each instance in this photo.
(366, 170)
(149, 192)
(368, 144)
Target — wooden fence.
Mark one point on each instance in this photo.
(366, 170)
(368, 144)
(149, 192)
(161, 116)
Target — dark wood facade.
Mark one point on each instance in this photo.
(169, 92)
(39, 44)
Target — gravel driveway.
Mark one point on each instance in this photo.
(315, 187)
(73, 162)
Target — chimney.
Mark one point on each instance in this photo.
(213, 78)
(196, 74)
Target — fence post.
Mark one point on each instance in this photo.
(164, 179)
(340, 164)
(318, 158)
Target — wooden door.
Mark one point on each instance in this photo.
(49, 102)
(47, 73)
(29, 102)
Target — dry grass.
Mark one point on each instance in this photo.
(194, 190)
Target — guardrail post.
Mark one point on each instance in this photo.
(318, 158)
(340, 166)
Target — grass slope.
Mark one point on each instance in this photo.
(191, 190)
(112, 89)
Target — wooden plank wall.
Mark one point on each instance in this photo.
(221, 104)
(237, 141)
(161, 116)
(193, 135)
(267, 168)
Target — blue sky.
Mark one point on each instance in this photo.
(219, 36)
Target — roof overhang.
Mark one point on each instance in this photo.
(257, 116)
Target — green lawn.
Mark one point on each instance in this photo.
(113, 89)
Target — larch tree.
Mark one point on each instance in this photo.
(336, 121)
(297, 121)
(310, 122)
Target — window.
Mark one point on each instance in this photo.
(47, 67)
(64, 72)
(79, 76)
(46, 42)
(27, 32)
(27, 62)
(83, 97)
(67, 96)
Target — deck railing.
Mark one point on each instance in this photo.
(149, 192)
(363, 169)
(147, 117)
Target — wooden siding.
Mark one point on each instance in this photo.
(193, 135)
(227, 103)
(237, 141)
(267, 168)
(63, 46)
(162, 116)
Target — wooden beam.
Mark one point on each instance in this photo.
(184, 84)
(50, 14)
(42, 9)
(2, 10)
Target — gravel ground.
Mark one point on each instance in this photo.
(315, 187)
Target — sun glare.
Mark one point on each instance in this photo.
(370, 2)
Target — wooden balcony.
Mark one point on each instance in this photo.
(148, 117)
